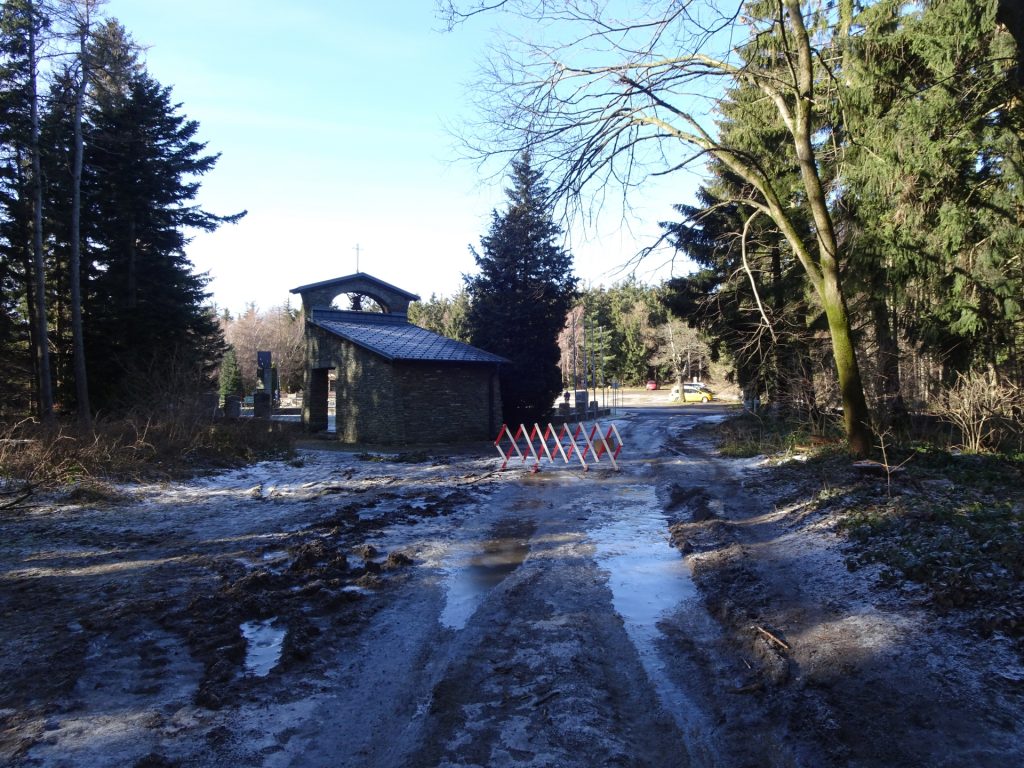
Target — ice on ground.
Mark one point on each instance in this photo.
(263, 646)
(649, 583)
(647, 577)
(474, 569)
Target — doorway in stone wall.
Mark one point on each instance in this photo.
(320, 411)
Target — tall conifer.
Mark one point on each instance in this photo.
(143, 304)
(520, 297)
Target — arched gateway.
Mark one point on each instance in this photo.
(397, 383)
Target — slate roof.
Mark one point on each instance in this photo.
(393, 337)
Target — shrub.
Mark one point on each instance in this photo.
(752, 434)
(987, 413)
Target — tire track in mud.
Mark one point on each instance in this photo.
(562, 662)
(546, 673)
(542, 672)
(552, 665)
(521, 627)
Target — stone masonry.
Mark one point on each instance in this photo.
(397, 384)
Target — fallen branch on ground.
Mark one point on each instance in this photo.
(771, 637)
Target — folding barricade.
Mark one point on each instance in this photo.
(566, 443)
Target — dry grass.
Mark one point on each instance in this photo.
(753, 434)
(33, 458)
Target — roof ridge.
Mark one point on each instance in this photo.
(356, 276)
(395, 338)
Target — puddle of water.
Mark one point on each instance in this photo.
(650, 581)
(263, 646)
(647, 576)
(472, 573)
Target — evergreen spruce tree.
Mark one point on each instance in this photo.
(15, 203)
(520, 297)
(230, 374)
(934, 176)
(144, 305)
(750, 292)
(24, 330)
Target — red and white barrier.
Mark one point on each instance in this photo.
(566, 443)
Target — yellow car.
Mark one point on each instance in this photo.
(694, 393)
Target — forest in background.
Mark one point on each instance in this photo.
(622, 334)
(631, 333)
(858, 236)
(917, 134)
(858, 231)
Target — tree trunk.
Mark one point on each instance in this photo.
(78, 341)
(890, 386)
(856, 416)
(780, 389)
(851, 387)
(42, 340)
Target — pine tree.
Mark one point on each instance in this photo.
(443, 315)
(14, 213)
(520, 297)
(934, 175)
(22, 24)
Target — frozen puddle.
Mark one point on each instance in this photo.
(714, 418)
(475, 568)
(648, 578)
(649, 582)
(263, 646)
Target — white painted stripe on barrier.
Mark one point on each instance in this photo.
(512, 441)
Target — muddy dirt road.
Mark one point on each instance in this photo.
(347, 610)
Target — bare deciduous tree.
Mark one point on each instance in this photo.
(606, 103)
(278, 330)
(682, 349)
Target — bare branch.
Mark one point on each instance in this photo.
(750, 275)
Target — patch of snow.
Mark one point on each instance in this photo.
(797, 457)
(263, 646)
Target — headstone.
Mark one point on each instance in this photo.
(261, 402)
(232, 407)
(209, 403)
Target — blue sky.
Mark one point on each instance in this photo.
(333, 123)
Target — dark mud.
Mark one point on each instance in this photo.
(432, 612)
